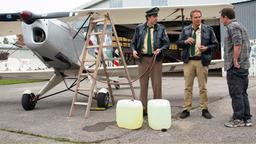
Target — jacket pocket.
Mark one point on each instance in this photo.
(206, 59)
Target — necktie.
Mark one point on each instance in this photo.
(149, 41)
(193, 46)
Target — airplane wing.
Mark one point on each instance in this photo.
(167, 13)
(130, 15)
(36, 74)
(167, 67)
(113, 71)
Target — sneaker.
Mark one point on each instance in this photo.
(234, 123)
(184, 114)
(206, 114)
(248, 122)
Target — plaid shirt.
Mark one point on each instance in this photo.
(236, 35)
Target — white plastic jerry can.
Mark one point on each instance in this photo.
(159, 114)
(129, 114)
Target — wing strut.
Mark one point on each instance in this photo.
(82, 26)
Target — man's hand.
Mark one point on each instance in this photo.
(237, 50)
(202, 48)
(236, 64)
(190, 41)
(156, 52)
(135, 54)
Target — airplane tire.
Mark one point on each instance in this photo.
(27, 101)
(102, 100)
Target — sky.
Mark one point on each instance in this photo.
(39, 6)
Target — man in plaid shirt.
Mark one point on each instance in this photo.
(236, 63)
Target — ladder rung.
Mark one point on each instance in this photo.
(121, 67)
(89, 60)
(84, 74)
(110, 59)
(98, 20)
(100, 33)
(83, 89)
(121, 95)
(80, 103)
(96, 46)
(106, 59)
(121, 84)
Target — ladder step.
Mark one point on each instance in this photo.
(100, 33)
(106, 59)
(80, 103)
(122, 95)
(98, 20)
(122, 83)
(89, 60)
(84, 74)
(97, 46)
(110, 59)
(83, 89)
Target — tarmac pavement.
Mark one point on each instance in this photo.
(49, 121)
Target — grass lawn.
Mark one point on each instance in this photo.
(8, 82)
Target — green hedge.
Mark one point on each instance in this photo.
(8, 82)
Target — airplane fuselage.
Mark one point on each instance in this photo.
(52, 41)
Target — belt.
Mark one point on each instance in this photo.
(195, 58)
(147, 55)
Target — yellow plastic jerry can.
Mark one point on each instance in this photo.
(129, 114)
(159, 114)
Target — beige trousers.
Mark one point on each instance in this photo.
(156, 80)
(192, 69)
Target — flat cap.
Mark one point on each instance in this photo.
(152, 11)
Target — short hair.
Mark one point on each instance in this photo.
(228, 12)
(193, 11)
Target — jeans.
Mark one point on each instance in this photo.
(237, 80)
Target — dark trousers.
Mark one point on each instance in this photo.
(237, 80)
(156, 79)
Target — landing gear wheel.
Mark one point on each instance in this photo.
(102, 100)
(28, 101)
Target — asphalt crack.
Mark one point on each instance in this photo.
(59, 139)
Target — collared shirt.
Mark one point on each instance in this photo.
(236, 35)
(198, 40)
(145, 45)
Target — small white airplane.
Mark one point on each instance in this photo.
(50, 37)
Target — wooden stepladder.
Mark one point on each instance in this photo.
(106, 21)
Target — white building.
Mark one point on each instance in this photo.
(19, 59)
(148, 3)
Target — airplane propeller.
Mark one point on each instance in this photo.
(29, 17)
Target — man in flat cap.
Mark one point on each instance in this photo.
(150, 40)
(153, 11)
